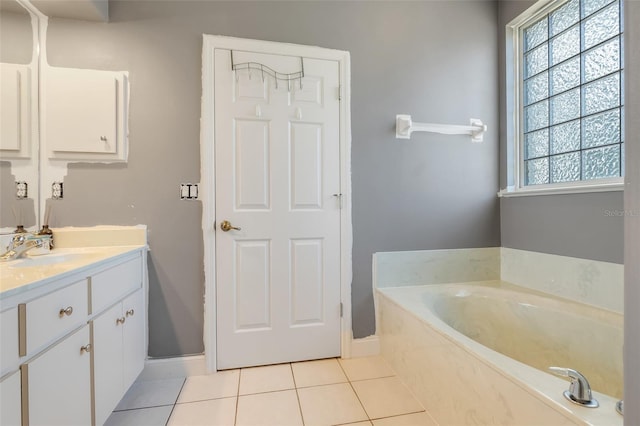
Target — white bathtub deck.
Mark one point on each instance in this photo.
(460, 381)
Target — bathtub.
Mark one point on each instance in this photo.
(478, 353)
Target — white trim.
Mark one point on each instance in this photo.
(515, 116)
(207, 184)
(168, 368)
(367, 346)
(561, 189)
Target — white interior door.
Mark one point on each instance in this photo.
(277, 169)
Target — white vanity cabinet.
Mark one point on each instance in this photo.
(85, 114)
(74, 345)
(118, 336)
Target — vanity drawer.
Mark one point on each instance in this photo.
(109, 286)
(52, 316)
(9, 346)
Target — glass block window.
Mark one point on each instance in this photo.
(571, 94)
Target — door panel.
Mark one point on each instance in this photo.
(307, 290)
(252, 167)
(306, 165)
(253, 285)
(277, 162)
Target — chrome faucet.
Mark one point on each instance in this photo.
(19, 245)
(579, 390)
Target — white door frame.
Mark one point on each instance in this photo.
(207, 173)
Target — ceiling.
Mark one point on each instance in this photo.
(89, 10)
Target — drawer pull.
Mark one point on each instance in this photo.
(86, 348)
(120, 320)
(130, 312)
(66, 311)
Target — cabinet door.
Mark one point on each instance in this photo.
(134, 340)
(107, 362)
(59, 383)
(9, 345)
(15, 103)
(10, 400)
(85, 113)
(111, 285)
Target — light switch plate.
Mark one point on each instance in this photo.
(188, 191)
(57, 190)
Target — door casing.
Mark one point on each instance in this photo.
(207, 173)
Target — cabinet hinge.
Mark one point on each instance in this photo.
(341, 310)
(340, 92)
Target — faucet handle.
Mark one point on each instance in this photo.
(17, 240)
(579, 391)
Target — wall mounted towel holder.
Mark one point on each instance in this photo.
(405, 126)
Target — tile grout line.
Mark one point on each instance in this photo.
(356, 393)
(142, 408)
(399, 415)
(374, 378)
(173, 407)
(295, 386)
(195, 401)
(262, 393)
(235, 417)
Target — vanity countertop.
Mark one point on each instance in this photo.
(31, 272)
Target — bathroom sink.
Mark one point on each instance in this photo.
(47, 259)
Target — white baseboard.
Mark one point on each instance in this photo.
(185, 366)
(367, 346)
(166, 368)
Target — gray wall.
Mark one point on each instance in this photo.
(436, 60)
(16, 27)
(632, 218)
(588, 226)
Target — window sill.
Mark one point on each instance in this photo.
(559, 190)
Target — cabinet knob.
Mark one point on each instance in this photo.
(86, 348)
(130, 313)
(103, 138)
(120, 320)
(66, 311)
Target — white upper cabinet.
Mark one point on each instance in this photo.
(15, 111)
(85, 114)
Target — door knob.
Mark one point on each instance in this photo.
(226, 226)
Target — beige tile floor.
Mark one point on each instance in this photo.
(358, 391)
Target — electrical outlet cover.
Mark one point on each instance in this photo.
(56, 190)
(21, 190)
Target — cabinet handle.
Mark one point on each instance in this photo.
(130, 313)
(66, 311)
(103, 138)
(86, 348)
(120, 320)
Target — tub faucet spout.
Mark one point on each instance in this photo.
(579, 391)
